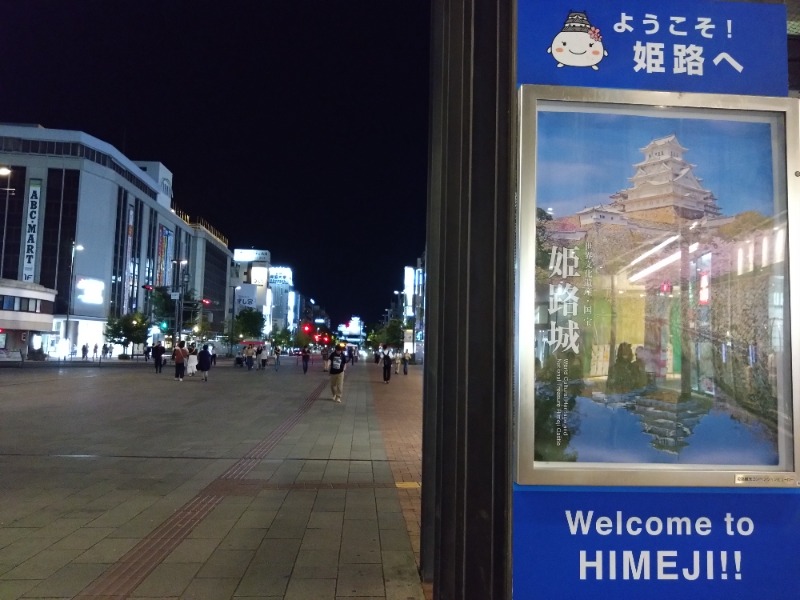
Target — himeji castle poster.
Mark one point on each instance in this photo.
(660, 330)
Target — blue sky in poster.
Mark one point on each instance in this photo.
(585, 157)
(681, 45)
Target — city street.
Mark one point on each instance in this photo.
(118, 482)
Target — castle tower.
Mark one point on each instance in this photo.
(664, 187)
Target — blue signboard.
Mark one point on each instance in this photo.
(687, 46)
(661, 544)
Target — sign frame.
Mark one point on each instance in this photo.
(529, 471)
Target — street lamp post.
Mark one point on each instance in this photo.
(4, 171)
(75, 247)
(233, 314)
(179, 301)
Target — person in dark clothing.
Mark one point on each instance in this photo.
(204, 362)
(387, 364)
(306, 356)
(338, 360)
(158, 353)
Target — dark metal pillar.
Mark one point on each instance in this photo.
(468, 368)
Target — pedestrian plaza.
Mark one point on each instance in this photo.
(119, 482)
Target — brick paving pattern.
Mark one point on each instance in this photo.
(121, 483)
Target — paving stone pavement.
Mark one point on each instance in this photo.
(117, 482)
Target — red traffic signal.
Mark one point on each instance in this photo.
(325, 339)
(206, 301)
(148, 287)
(306, 327)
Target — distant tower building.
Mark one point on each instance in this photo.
(250, 281)
(665, 189)
(284, 311)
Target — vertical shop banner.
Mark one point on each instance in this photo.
(683, 45)
(31, 234)
(606, 544)
(127, 285)
(246, 297)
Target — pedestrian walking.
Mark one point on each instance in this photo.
(326, 353)
(213, 355)
(387, 364)
(249, 356)
(406, 360)
(85, 352)
(306, 356)
(264, 358)
(259, 364)
(158, 353)
(191, 363)
(397, 360)
(277, 357)
(94, 355)
(147, 351)
(180, 355)
(338, 360)
(105, 350)
(204, 362)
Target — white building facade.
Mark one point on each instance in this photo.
(85, 221)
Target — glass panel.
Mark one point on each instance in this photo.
(654, 347)
(660, 334)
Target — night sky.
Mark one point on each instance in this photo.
(299, 127)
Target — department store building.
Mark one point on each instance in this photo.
(84, 229)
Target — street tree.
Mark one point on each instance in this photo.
(250, 323)
(127, 329)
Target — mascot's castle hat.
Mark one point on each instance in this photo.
(578, 22)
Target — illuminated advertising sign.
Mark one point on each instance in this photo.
(259, 275)
(280, 275)
(250, 255)
(292, 297)
(656, 444)
(246, 296)
(90, 291)
(164, 250)
(408, 291)
(29, 239)
(632, 377)
(128, 266)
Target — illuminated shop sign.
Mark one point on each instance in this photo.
(29, 239)
(281, 275)
(250, 255)
(259, 275)
(90, 291)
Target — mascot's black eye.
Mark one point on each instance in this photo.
(591, 44)
(563, 43)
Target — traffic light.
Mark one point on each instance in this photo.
(325, 339)
(306, 328)
(163, 326)
(206, 301)
(148, 287)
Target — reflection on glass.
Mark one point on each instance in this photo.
(661, 286)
